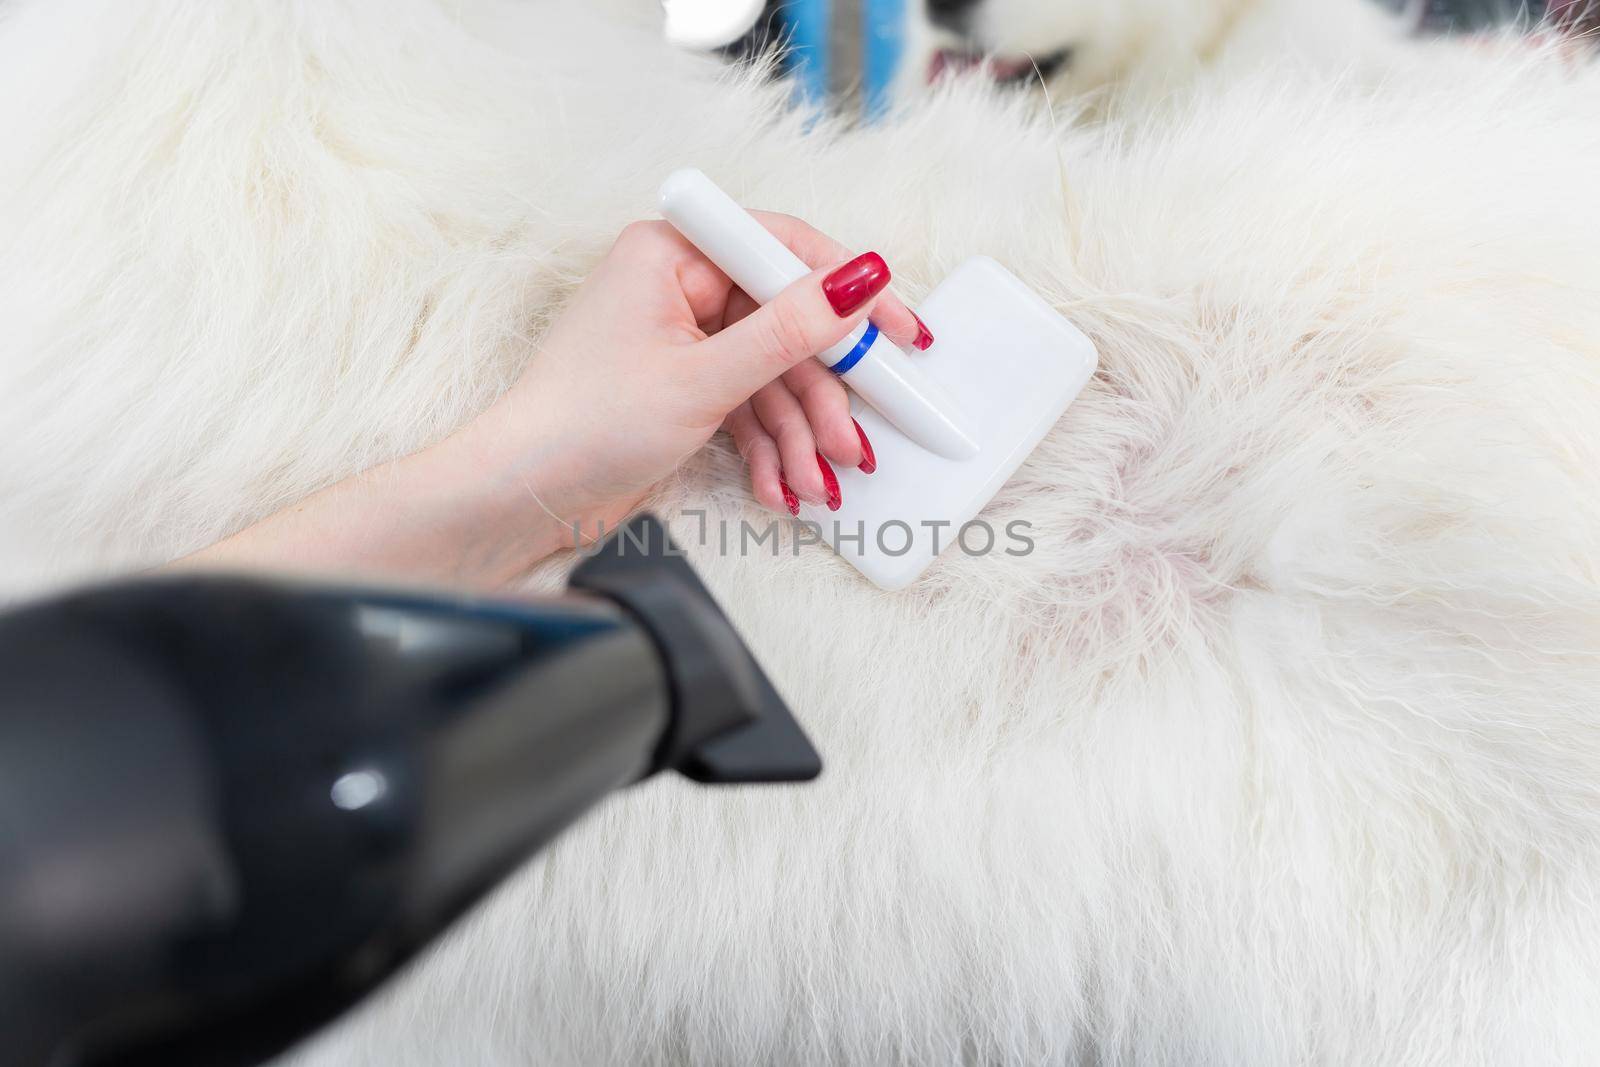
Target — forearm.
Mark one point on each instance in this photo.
(451, 514)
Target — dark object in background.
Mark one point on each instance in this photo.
(1469, 16)
(767, 34)
(233, 806)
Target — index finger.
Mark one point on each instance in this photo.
(896, 321)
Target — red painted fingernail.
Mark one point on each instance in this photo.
(924, 337)
(790, 501)
(853, 284)
(869, 462)
(830, 482)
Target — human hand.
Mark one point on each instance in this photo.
(658, 349)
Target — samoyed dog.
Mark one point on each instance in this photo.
(1281, 746)
(1137, 50)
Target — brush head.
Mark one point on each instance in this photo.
(1014, 364)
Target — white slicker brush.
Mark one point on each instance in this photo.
(949, 425)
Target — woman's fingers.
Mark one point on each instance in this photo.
(827, 409)
(808, 317)
(712, 298)
(805, 470)
(797, 418)
(760, 451)
(896, 321)
(921, 338)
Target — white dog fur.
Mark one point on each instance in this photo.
(1282, 747)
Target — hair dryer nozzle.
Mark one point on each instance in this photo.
(728, 723)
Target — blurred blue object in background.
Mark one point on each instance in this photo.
(805, 28)
(883, 25)
(818, 50)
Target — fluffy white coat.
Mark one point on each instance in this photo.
(1282, 747)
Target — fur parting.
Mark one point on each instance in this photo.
(1281, 747)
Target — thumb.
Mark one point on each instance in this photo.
(808, 317)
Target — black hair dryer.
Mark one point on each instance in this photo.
(230, 807)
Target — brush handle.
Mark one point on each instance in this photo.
(760, 264)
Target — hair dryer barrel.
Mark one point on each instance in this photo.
(236, 805)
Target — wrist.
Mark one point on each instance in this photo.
(534, 484)
(506, 510)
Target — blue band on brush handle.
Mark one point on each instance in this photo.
(858, 351)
